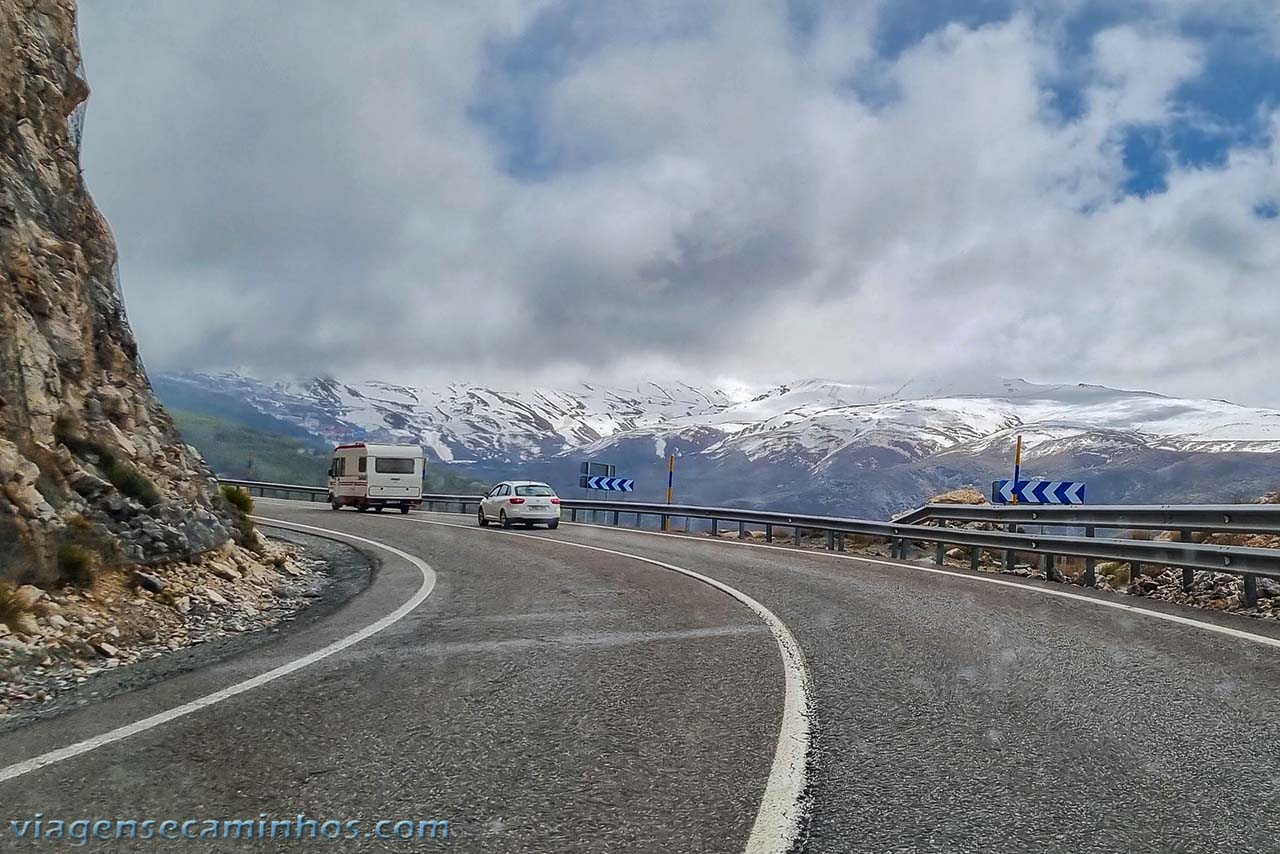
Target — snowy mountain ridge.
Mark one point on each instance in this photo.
(812, 420)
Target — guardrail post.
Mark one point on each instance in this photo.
(686, 524)
(1090, 564)
(742, 530)
(840, 541)
(975, 558)
(831, 541)
(615, 518)
(1046, 565)
(939, 552)
(1188, 574)
(1250, 590)
(573, 514)
(715, 527)
(1008, 553)
(1135, 569)
(768, 533)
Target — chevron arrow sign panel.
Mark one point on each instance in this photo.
(1038, 492)
(612, 484)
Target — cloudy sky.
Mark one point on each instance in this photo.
(873, 190)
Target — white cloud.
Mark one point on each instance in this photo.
(728, 200)
(1137, 73)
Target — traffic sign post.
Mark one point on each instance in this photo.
(1017, 467)
(671, 487)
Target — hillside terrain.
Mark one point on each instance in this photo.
(812, 444)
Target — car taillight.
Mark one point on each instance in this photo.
(517, 501)
(555, 501)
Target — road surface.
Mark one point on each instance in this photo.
(542, 696)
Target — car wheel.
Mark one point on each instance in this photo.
(377, 509)
(335, 503)
(484, 523)
(361, 506)
(553, 524)
(404, 509)
(502, 517)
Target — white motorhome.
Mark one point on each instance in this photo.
(376, 476)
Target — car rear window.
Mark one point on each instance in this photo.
(393, 465)
(535, 491)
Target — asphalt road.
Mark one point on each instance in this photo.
(547, 697)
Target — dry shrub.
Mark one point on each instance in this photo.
(15, 606)
(1115, 572)
(77, 564)
(238, 498)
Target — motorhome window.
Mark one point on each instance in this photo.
(339, 466)
(393, 465)
(364, 465)
(534, 491)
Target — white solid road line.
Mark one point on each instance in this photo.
(428, 583)
(781, 810)
(1238, 634)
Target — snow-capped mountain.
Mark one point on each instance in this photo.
(817, 421)
(806, 441)
(461, 422)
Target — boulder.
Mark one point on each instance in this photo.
(225, 572)
(149, 582)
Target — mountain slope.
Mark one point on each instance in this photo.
(810, 444)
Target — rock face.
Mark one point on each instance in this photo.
(91, 467)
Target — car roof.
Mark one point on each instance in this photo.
(526, 483)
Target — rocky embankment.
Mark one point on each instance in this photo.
(52, 641)
(93, 474)
(116, 543)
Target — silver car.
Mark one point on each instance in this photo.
(526, 501)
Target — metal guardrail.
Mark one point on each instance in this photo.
(1208, 518)
(1250, 563)
(321, 493)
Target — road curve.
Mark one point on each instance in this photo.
(959, 712)
(548, 697)
(537, 700)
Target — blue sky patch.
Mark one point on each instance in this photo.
(1146, 159)
(1222, 109)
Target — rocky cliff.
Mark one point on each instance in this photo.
(91, 467)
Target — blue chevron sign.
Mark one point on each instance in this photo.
(1038, 492)
(612, 484)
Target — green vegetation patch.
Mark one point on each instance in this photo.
(133, 483)
(238, 498)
